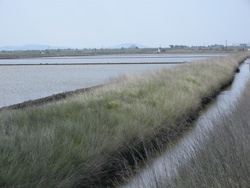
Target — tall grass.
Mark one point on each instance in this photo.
(217, 155)
(80, 142)
(224, 161)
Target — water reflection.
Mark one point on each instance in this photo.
(166, 165)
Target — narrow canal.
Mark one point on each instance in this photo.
(165, 166)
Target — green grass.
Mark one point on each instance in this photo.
(77, 142)
(106, 51)
(72, 52)
(224, 160)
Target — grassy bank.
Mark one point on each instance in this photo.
(79, 142)
(73, 52)
(91, 52)
(224, 161)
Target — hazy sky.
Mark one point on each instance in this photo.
(97, 23)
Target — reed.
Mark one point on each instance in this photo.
(224, 161)
(84, 140)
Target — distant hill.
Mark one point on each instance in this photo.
(30, 47)
(127, 45)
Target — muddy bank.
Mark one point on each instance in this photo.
(104, 163)
(119, 165)
(139, 63)
(64, 95)
(164, 167)
(49, 99)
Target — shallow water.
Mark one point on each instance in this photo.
(165, 166)
(22, 83)
(153, 58)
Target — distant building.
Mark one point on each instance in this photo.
(216, 46)
(243, 45)
(160, 50)
(178, 46)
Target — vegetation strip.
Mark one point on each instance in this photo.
(49, 99)
(96, 52)
(224, 161)
(43, 64)
(85, 140)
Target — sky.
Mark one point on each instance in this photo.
(107, 23)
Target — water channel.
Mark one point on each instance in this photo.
(165, 166)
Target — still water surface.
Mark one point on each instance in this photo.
(153, 58)
(22, 83)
